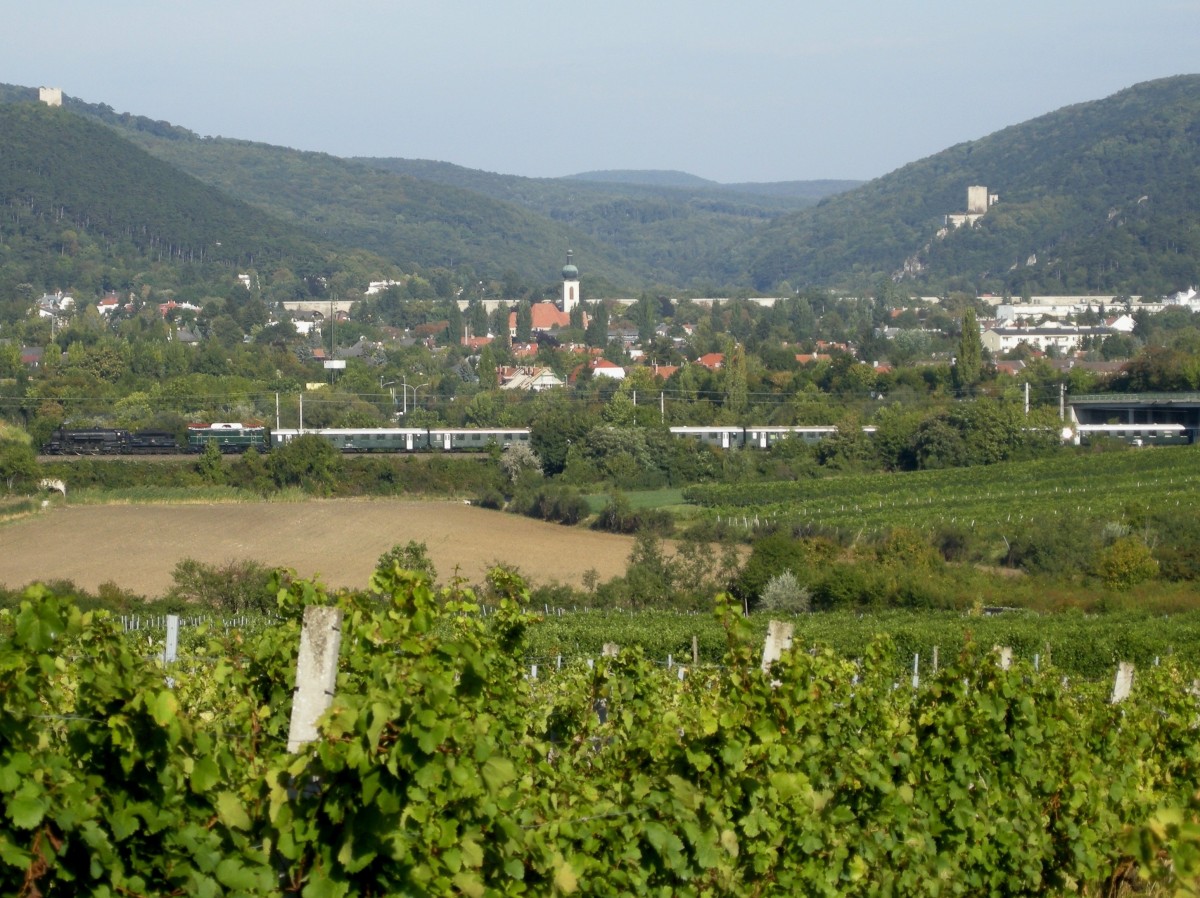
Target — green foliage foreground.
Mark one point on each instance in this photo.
(442, 770)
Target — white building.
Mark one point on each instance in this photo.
(379, 286)
(1063, 338)
(605, 368)
(529, 378)
(1188, 299)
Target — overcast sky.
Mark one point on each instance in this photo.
(752, 91)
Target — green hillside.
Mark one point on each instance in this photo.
(1101, 196)
(425, 214)
(810, 191)
(691, 230)
(677, 228)
(1097, 197)
(650, 178)
(87, 210)
(408, 221)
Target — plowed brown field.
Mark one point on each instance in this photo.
(137, 546)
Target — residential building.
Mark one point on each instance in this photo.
(529, 378)
(604, 368)
(1062, 338)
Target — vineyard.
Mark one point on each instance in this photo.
(996, 499)
(443, 766)
(1076, 645)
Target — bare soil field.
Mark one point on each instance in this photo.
(338, 541)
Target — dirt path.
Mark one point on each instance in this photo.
(137, 546)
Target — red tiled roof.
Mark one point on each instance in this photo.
(1010, 366)
(663, 371)
(546, 316)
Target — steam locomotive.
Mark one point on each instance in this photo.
(229, 437)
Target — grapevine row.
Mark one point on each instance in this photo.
(441, 768)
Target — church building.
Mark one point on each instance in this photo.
(548, 316)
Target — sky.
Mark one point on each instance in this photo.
(762, 90)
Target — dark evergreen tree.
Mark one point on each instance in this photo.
(488, 376)
(478, 317)
(646, 316)
(597, 329)
(968, 364)
(524, 322)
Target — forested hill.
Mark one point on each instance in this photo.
(85, 208)
(1102, 196)
(412, 223)
(406, 220)
(426, 214)
(666, 227)
(810, 191)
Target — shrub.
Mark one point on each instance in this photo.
(412, 556)
(517, 459)
(619, 516)
(953, 542)
(907, 548)
(778, 552)
(554, 595)
(308, 462)
(233, 588)
(1057, 548)
(784, 593)
(249, 472)
(210, 466)
(490, 498)
(1126, 563)
(846, 585)
(562, 504)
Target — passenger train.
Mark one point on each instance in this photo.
(238, 437)
(756, 436)
(1134, 434)
(408, 439)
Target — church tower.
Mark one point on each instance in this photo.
(570, 294)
